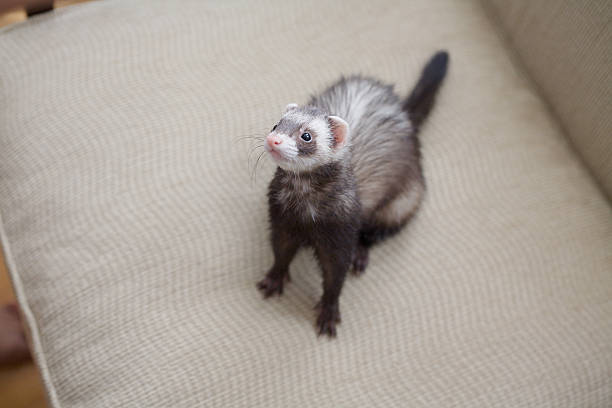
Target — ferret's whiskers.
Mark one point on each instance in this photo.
(251, 136)
(254, 148)
(250, 157)
(255, 168)
(259, 138)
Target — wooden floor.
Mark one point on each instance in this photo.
(20, 385)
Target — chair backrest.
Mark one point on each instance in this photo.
(566, 46)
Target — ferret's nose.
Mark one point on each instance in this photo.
(274, 140)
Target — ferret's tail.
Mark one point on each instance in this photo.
(421, 99)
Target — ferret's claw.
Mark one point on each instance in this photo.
(327, 320)
(270, 286)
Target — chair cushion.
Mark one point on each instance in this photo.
(135, 227)
(567, 48)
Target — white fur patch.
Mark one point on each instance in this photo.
(290, 107)
(312, 211)
(287, 149)
(403, 206)
(320, 127)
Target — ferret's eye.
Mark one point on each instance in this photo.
(274, 128)
(306, 137)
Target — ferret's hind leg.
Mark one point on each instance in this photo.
(391, 217)
(361, 259)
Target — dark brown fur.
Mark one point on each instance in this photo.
(333, 233)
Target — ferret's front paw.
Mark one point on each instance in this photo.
(271, 285)
(329, 316)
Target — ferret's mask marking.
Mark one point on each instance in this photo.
(306, 138)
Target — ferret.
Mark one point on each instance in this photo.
(349, 175)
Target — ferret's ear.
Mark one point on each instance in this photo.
(291, 107)
(340, 130)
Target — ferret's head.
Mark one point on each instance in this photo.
(306, 137)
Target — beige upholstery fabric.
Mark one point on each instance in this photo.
(566, 45)
(135, 233)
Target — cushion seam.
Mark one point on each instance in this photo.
(30, 320)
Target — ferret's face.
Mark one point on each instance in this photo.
(306, 138)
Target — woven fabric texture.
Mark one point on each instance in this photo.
(566, 46)
(135, 227)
